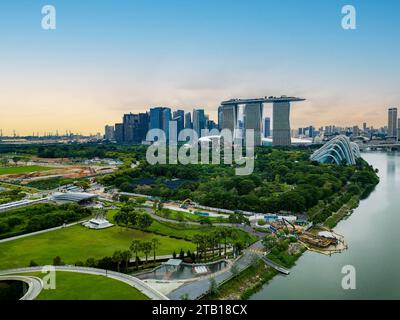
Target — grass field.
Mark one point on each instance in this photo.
(22, 169)
(79, 286)
(78, 243)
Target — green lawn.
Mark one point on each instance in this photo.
(78, 243)
(23, 169)
(80, 286)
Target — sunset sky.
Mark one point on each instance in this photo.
(108, 57)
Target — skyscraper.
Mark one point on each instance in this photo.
(267, 127)
(188, 120)
(392, 123)
(179, 117)
(253, 120)
(228, 116)
(119, 132)
(130, 121)
(166, 118)
(281, 123)
(109, 133)
(199, 121)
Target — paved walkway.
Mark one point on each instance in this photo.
(132, 281)
(193, 223)
(197, 289)
(35, 285)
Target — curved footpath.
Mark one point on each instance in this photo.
(35, 285)
(193, 223)
(132, 281)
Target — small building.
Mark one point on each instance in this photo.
(78, 197)
(97, 223)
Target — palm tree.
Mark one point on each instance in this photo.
(126, 256)
(155, 244)
(136, 247)
(147, 247)
(197, 238)
(117, 258)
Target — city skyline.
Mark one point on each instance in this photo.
(102, 62)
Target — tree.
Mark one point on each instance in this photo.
(124, 198)
(122, 217)
(213, 286)
(155, 244)
(83, 184)
(144, 221)
(146, 248)
(136, 247)
(197, 239)
(269, 242)
(33, 264)
(126, 257)
(181, 254)
(16, 159)
(4, 161)
(57, 261)
(117, 258)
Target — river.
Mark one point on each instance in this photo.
(373, 235)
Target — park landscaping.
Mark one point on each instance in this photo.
(78, 243)
(23, 169)
(79, 286)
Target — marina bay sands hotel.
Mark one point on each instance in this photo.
(253, 109)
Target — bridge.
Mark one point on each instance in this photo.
(274, 265)
(377, 146)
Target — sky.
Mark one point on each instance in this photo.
(110, 57)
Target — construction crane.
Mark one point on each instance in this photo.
(286, 222)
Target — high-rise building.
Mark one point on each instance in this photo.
(188, 120)
(144, 122)
(281, 123)
(179, 117)
(109, 133)
(392, 123)
(166, 118)
(119, 132)
(199, 121)
(364, 127)
(398, 129)
(253, 120)
(228, 117)
(160, 118)
(267, 127)
(130, 121)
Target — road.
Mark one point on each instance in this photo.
(132, 281)
(35, 285)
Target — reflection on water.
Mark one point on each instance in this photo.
(372, 235)
(184, 271)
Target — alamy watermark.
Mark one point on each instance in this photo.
(49, 280)
(164, 148)
(349, 20)
(49, 19)
(349, 280)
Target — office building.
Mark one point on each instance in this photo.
(253, 120)
(109, 133)
(188, 120)
(119, 132)
(199, 121)
(392, 123)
